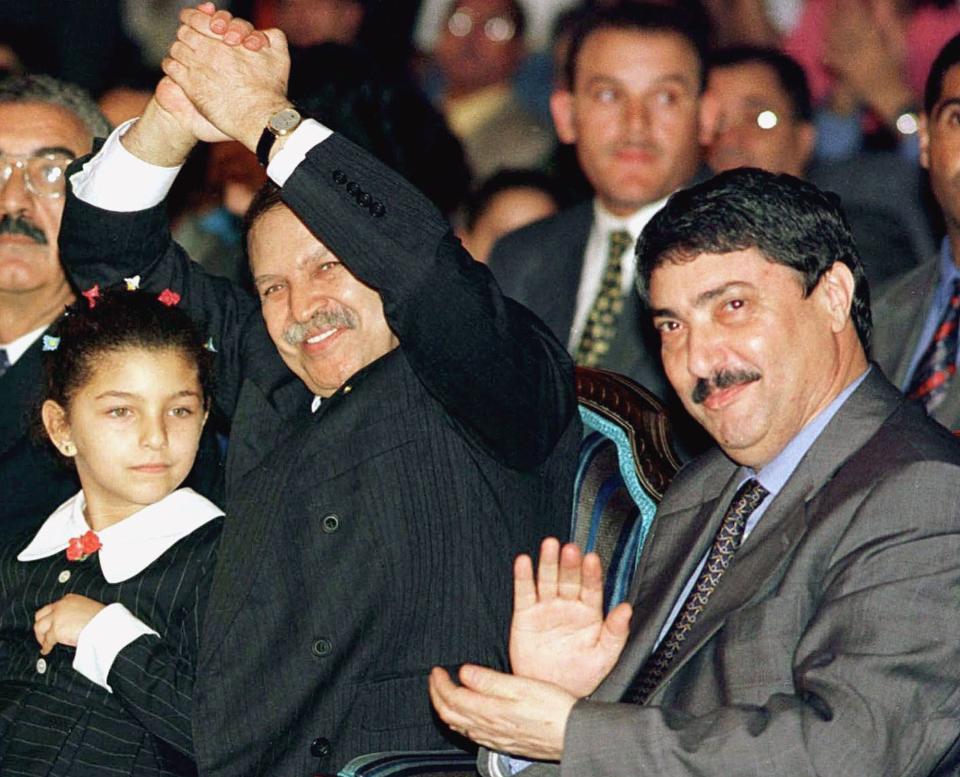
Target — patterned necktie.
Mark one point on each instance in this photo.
(728, 539)
(4, 361)
(601, 324)
(939, 361)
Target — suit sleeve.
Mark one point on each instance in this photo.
(876, 671)
(102, 247)
(494, 366)
(153, 676)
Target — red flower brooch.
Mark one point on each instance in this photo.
(81, 547)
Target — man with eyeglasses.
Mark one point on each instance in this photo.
(479, 51)
(44, 124)
(765, 119)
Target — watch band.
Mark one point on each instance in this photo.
(280, 124)
(264, 145)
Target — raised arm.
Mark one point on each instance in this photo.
(493, 365)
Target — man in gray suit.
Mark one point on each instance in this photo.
(795, 604)
(632, 108)
(916, 341)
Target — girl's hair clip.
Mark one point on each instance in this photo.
(209, 345)
(50, 343)
(92, 295)
(132, 283)
(168, 297)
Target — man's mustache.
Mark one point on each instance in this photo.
(722, 380)
(342, 318)
(19, 225)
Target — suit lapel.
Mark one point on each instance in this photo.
(247, 529)
(909, 316)
(677, 541)
(19, 388)
(559, 300)
(770, 546)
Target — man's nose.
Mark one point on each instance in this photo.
(704, 351)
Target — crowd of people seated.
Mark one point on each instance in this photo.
(292, 294)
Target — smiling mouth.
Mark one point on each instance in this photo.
(319, 338)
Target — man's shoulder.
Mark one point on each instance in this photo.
(569, 223)
(914, 285)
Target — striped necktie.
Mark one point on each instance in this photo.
(939, 362)
(601, 326)
(725, 544)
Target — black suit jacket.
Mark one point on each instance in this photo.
(371, 540)
(32, 481)
(540, 266)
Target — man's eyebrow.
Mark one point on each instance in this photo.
(47, 150)
(939, 108)
(701, 299)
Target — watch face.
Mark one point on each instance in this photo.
(283, 121)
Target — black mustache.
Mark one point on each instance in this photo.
(19, 225)
(722, 380)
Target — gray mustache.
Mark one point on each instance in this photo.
(722, 380)
(338, 317)
(18, 225)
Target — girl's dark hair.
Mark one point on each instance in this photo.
(118, 320)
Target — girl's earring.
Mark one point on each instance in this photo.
(69, 449)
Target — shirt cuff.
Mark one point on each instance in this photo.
(309, 134)
(102, 639)
(114, 179)
(503, 765)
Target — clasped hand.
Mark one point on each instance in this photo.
(561, 648)
(61, 622)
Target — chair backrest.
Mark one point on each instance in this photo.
(625, 465)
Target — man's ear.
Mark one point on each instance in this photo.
(561, 108)
(708, 116)
(924, 131)
(837, 287)
(55, 421)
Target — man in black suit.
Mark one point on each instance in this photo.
(632, 108)
(44, 123)
(364, 541)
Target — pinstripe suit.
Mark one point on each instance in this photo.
(53, 720)
(371, 540)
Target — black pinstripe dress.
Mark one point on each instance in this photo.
(53, 720)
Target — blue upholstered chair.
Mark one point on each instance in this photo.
(625, 465)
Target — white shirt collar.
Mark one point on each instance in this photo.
(128, 546)
(634, 223)
(21, 345)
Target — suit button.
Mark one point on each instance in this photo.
(364, 199)
(330, 523)
(339, 177)
(377, 209)
(352, 188)
(322, 648)
(320, 747)
(41, 666)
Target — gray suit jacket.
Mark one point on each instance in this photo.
(898, 317)
(540, 265)
(832, 645)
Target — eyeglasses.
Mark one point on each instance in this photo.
(754, 119)
(43, 174)
(498, 29)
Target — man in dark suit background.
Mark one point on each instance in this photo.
(793, 608)
(632, 107)
(397, 425)
(44, 123)
(765, 119)
(917, 316)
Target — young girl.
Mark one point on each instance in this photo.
(100, 610)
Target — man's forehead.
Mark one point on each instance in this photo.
(650, 54)
(748, 79)
(26, 127)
